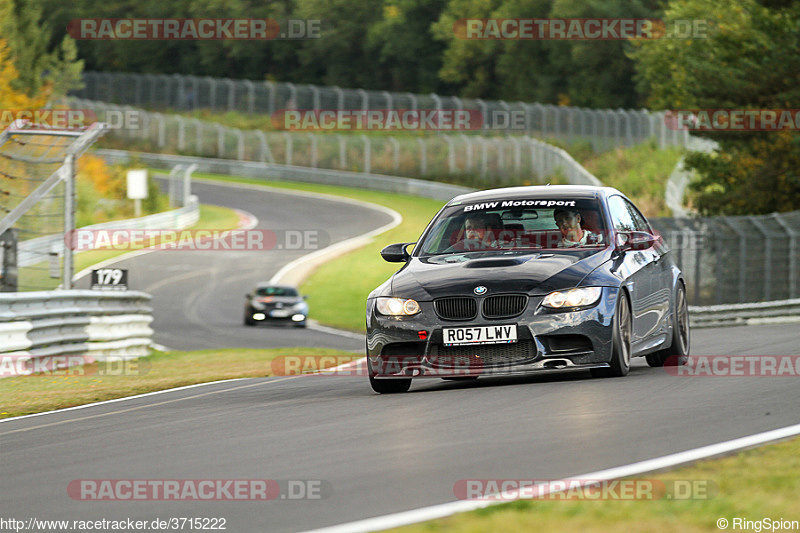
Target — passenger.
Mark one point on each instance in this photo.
(572, 234)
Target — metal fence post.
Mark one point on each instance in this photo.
(767, 256)
(342, 151)
(288, 138)
(187, 183)
(389, 99)
(367, 154)
(251, 96)
(451, 155)
(793, 267)
(467, 150)
(396, 154)
(364, 99)
(198, 131)
(220, 140)
(69, 218)
(271, 98)
(264, 154)
(315, 97)
(423, 158)
(484, 158)
(339, 97)
(414, 101)
(181, 132)
(239, 143)
(313, 150)
(484, 113)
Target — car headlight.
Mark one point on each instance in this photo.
(257, 305)
(397, 306)
(580, 297)
(299, 306)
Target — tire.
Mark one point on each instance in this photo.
(248, 321)
(391, 385)
(678, 351)
(621, 342)
(300, 325)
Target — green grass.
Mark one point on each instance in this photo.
(754, 484)
(338, 289)
(93, 383)
(37, 277)
(640, 171)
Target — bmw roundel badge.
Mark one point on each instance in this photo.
(480, 289)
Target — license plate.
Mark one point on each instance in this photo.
(279, 313)
(480, 335)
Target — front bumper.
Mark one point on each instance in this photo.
(548, 341)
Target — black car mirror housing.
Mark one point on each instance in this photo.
(396, 253)
(635, 240)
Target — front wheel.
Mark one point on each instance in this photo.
(390, 386)
(621, 342)
(678, 352)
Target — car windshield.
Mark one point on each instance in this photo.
(517, 224)
(276, 291)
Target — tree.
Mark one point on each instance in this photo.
(749, 60)
(583, 73)
(39, 64)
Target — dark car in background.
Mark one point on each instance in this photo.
(275, 303)
(527, 279)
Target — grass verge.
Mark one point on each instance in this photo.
(640, 171)
(95, 382)
(753, 484)
(37, 277)
(338, 289)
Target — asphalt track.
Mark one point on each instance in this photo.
(198, 296)
(382, 454)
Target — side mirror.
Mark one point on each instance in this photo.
(248, 295)
(396, 253)
(635, 240)
(305, 297)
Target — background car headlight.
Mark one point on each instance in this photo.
(397, 306)
(572, 298)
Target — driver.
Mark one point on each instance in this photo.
(572, 234)
(477, 232)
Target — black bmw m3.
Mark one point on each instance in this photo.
(527, 279)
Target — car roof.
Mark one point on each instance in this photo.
(538, 191)
(265, 284)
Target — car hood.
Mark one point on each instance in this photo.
(458, 274)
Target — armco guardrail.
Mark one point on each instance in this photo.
(33, 251)
(256, 170)
(780, 311)
(38, 329)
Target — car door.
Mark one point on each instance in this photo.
(635, 269)
(660, 277)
